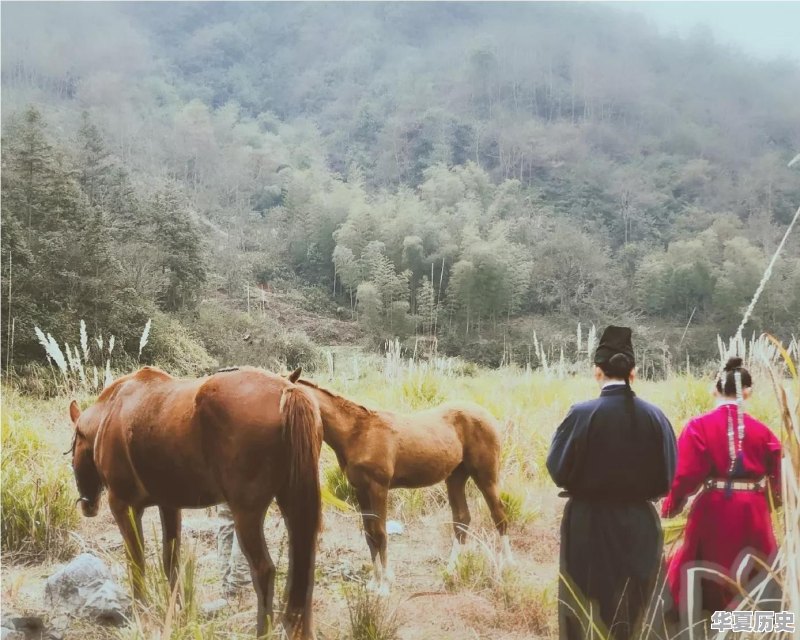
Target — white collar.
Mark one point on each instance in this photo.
(721, 402)
(613, 383)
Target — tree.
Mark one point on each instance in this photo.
(462, 293)
(737, 281)
(568, 265)
(180, 252)
(414, 261)
(93, 160)
(370, 307)
(347, 270)
(59, 254)
(426, 306)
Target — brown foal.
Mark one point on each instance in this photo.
(379, 451)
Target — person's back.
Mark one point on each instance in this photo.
(737, 464)
(623, 458)
(612, 455)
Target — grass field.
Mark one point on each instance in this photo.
(41, 527)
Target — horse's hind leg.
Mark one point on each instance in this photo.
(456, 495)
(490, 488)
(171, 542)
(372, 498)
(129, 521)
(249, 526)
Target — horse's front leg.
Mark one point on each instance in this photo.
(171, 542)
(129, 520)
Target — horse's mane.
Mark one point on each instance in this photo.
(338, 399)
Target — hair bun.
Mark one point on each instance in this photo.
(733, 364)
(619, 360)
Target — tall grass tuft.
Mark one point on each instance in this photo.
(474, 571)
(38, 493)
(371, 617)
(422, 390)
(516, 504)
(172, 614)
(337, 484)
(78, 362)
(523, 604)
(145, 335)
(408, 504)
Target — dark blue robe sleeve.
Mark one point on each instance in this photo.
(561, 458)
(670, 453)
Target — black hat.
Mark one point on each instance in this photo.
(614, 340)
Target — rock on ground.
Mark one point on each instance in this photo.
(85, 588)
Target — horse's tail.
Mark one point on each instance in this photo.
(302, 429)
(301, 504)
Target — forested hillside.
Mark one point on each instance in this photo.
(474, 172)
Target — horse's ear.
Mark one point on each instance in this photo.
(294, 376)
(74, 412)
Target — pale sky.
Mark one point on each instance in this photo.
(764, 29)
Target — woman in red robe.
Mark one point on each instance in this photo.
(736, 460)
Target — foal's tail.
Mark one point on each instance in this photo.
(301, 504)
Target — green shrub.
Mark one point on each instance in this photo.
(172, 347)
(336, 483)
(517, 510)
(473, 572)
(466, 369)
(294, 349)
(36, 379)
(423, 389)
(482, 351)
(38, 493)
(310, 298)
(235, 338)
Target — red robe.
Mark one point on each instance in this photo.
(720, 527)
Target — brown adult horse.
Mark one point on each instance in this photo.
(242, 436)
(379, 450)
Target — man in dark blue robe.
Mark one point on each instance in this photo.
(612, 456)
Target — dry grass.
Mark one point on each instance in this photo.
(525, 604)
(528, 406)
(371, 616)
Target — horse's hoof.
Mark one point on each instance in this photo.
(384, 590)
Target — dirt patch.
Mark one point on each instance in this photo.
(423, 608)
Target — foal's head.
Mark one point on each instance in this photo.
(90, 485)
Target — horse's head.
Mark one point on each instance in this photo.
(87, 478)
